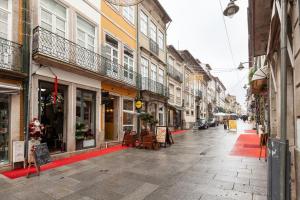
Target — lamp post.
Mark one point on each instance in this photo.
(231, 9)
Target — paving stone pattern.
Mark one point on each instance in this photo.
(197, 166)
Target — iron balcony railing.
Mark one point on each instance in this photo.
(154, 48)
(175, 74)
(153, 86)
(10, 55)
(198, 94)
(59, 48)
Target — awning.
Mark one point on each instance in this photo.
(260, 73)
(7, 88)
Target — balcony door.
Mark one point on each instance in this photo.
(153, 77)
(160, 85)
(53, 33)
(112, 54)
(86, 38)
(145, 73)
(128, 65)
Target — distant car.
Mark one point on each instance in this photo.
(202, 124)
(213, 122)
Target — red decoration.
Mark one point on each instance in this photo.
(35, 129)
(55, 90)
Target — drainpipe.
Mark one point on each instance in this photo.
(138, 75)
(167, 79)
(27, 69)
(283, 99)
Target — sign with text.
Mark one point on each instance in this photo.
(232, 124)
(41, 154)
(161, 134)
(18, 151)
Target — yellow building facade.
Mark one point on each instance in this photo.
(118, 45)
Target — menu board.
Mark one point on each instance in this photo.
(18, 151)
(161, 134)
(42, 155)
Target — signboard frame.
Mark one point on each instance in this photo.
(167, 136)
(18, 146)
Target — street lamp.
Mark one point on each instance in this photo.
(241, 66)
(231, 9)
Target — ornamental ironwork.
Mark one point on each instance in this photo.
(175, 74)
(10, 55)
(154, 48)
(154, 87)
(59, 48)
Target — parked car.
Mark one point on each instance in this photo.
(213, 122)
(202, 124)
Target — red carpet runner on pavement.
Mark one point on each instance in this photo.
(247, 145)
(72, 159)
(65, 161)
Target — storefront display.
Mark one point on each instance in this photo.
(4, 128)
(85, 119)
(128, 115)
(51, 115)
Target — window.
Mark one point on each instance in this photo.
(112, 53)
(171, 88)
(85, 34)
(128, 115)
(145, 72)
(85, 119)
(160, 38)
(128, 64)
(187, 112)
(192, 113)
(4, 127)
(161, 76)
(53, 17)
(4, 17)
(153, 72)
(144, 23)
(128, 12)
(152, 31)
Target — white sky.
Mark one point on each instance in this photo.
(197, 25)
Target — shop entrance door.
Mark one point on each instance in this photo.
(52, 116)
(111, 120)
(4, 127)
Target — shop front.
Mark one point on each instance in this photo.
(175, 117)
(69, 110)
(118, 111)
(11, 112)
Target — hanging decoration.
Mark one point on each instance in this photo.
(55, 90)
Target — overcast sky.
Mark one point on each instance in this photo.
(197, 25)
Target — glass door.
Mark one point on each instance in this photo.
(4, 128)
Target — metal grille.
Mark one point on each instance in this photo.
(175, 74)
(52, 45)
(10, 55)
(153, 46)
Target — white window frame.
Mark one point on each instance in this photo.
(130, 70)
(114, 71)
(86, 33)
(160, 77)
(145, 72)
(153, 30)
(129, 13)
(132, 112)
(9, 19)
(160, 40)
(143, 22)
(161, 112)
(54, 16)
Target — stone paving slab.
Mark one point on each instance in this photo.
(197, 167)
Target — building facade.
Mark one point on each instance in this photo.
(118, 34)
(152, 59)
(175, 83)
(13, 77)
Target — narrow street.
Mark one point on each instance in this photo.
(197, 166)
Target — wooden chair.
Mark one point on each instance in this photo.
(129, 139)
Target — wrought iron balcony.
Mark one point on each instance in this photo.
(154, 48)
(198, 93)
(153, 86)
(53, 46)
(10, 55)
(175, 74)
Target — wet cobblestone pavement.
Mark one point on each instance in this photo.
(197, 166)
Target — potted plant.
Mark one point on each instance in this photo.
(79, 135)
(148, 120)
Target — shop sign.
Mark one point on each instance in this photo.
(138, 104)
(161, 134)
(88, 143)
(18, 151)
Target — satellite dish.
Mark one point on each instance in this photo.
(124, 2)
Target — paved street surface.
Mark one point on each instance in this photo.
(197, 166)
